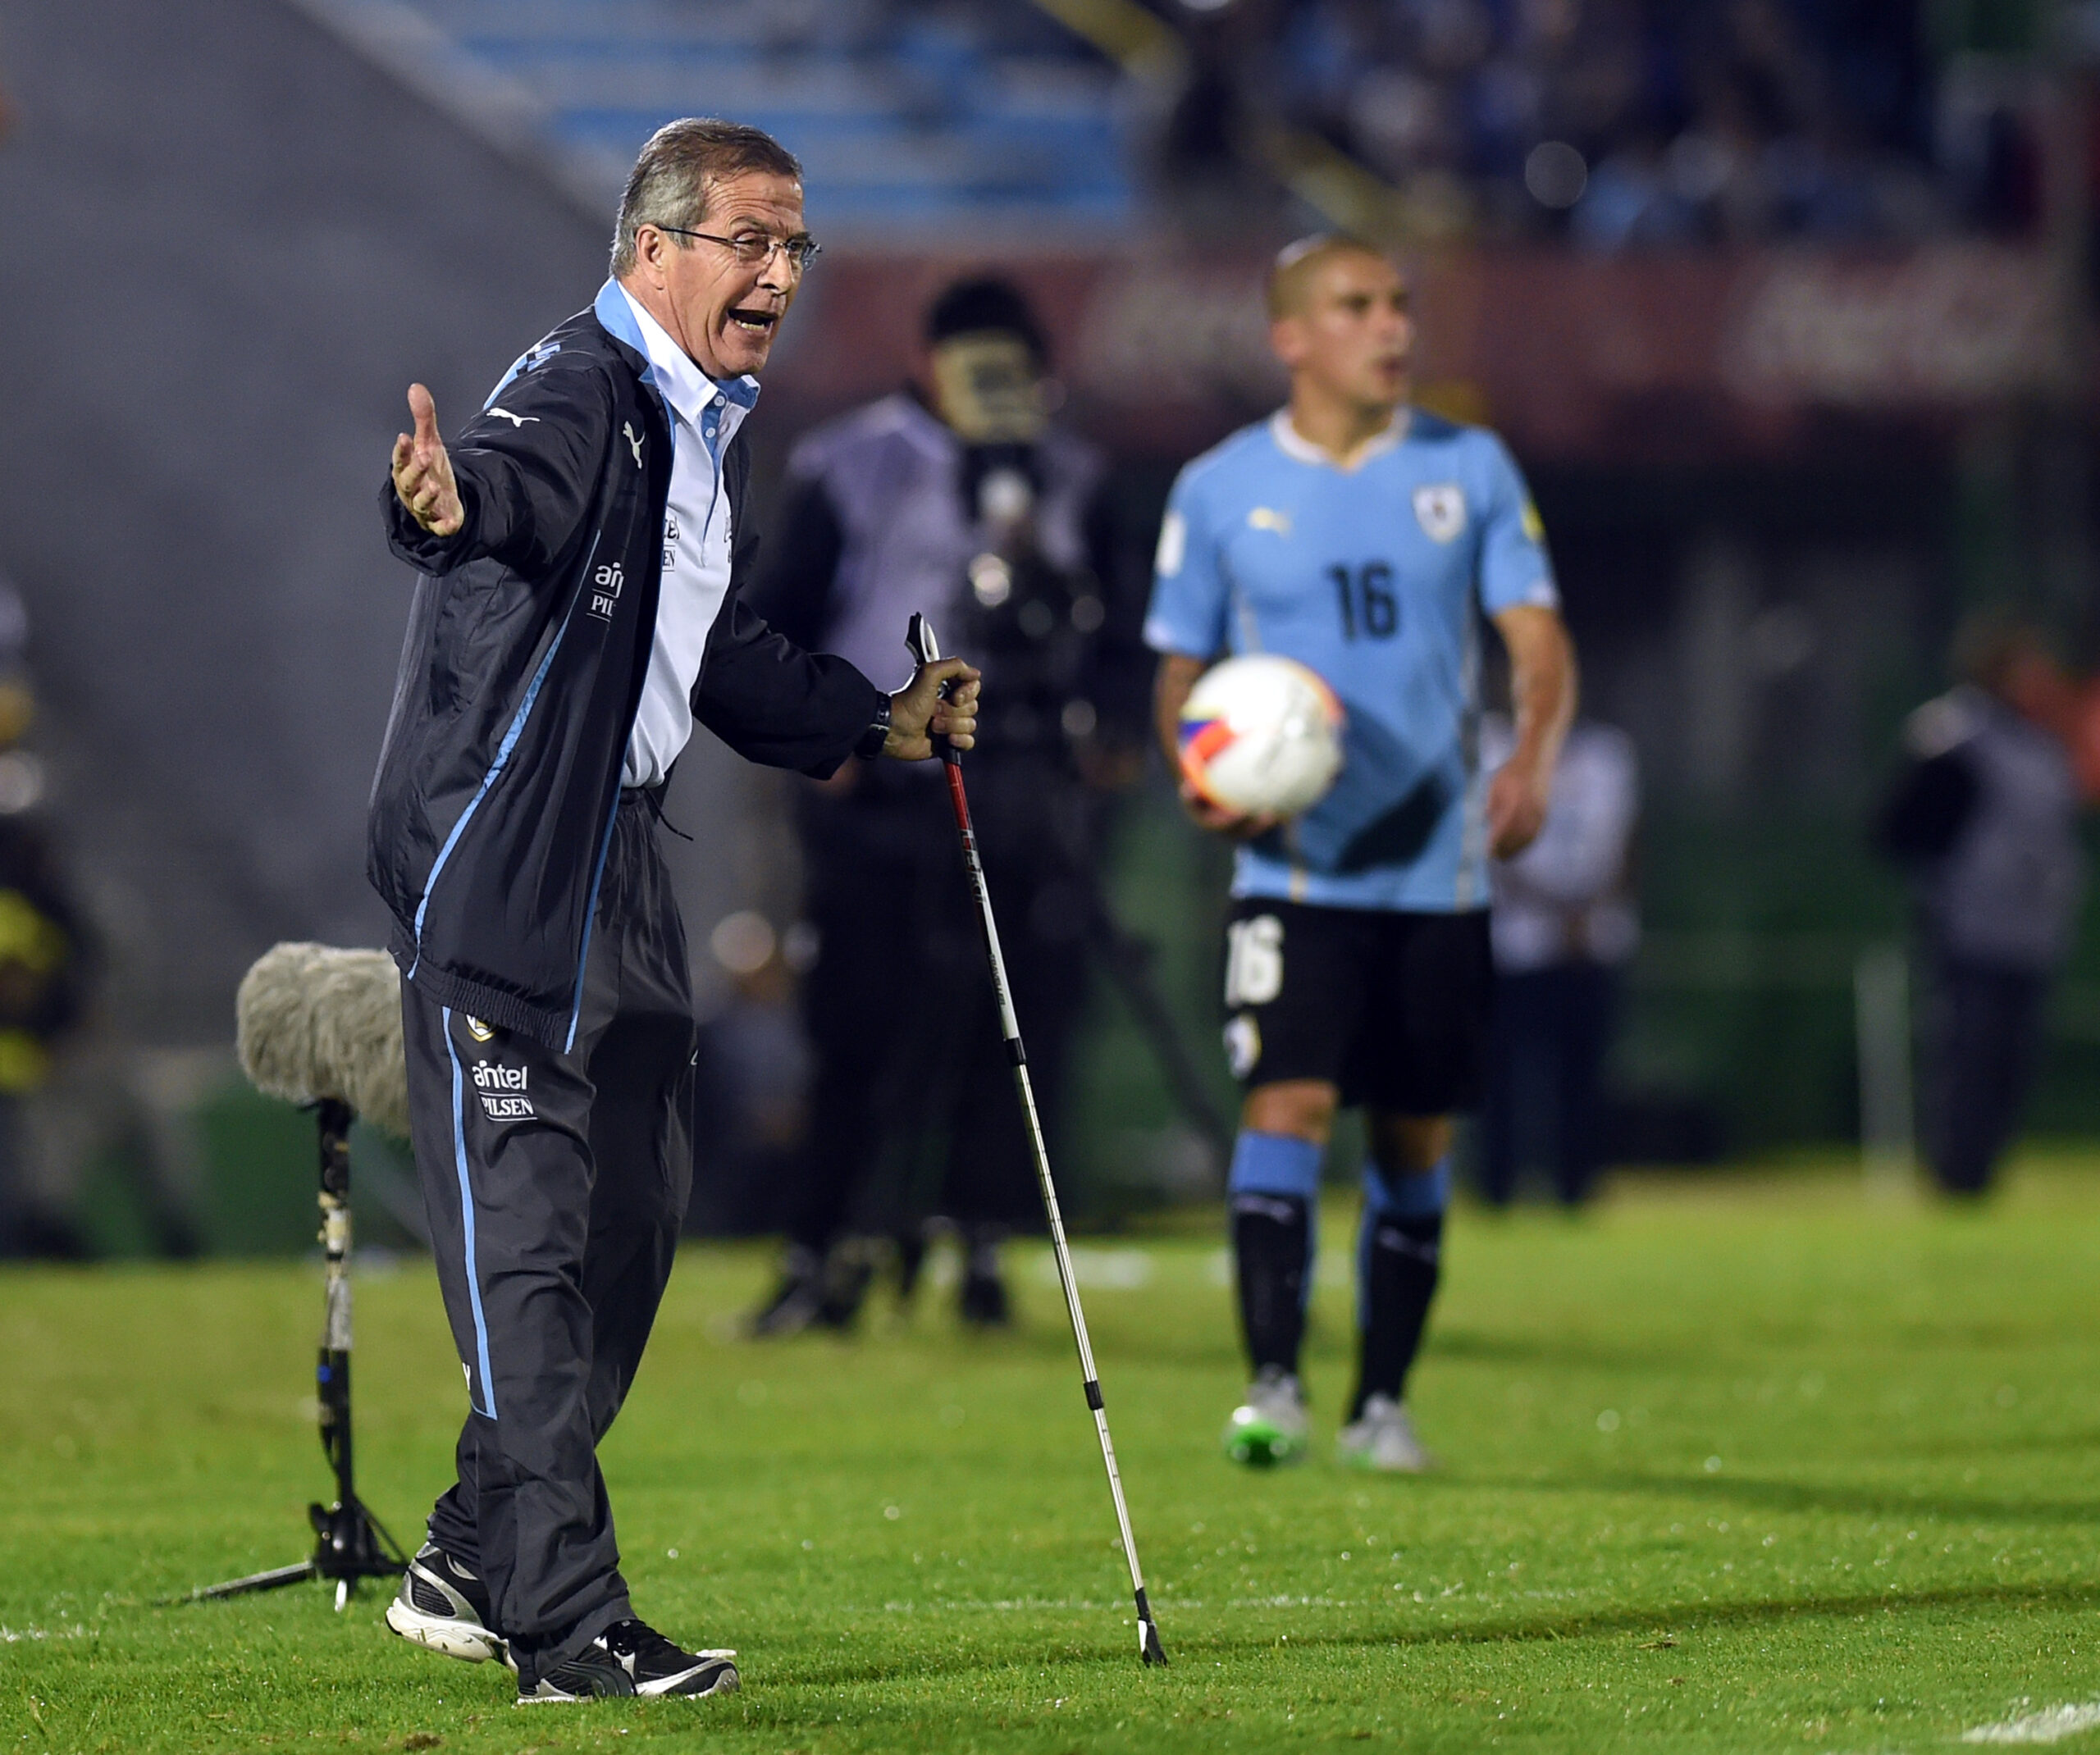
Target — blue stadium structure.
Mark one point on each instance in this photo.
(910, 119)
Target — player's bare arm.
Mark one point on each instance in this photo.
(1172, 683)
(1542, 688)
(422, 471)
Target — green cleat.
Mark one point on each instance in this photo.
(1269, 1427)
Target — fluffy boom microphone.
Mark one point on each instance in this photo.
(316, 1024)
(321, 1027)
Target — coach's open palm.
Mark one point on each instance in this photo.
(423, 473)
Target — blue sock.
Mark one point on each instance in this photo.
(1274, 1190)
(1396, 1197)
(1398, 1251)
(1274, 1164)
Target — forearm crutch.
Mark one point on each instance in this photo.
(925, 650)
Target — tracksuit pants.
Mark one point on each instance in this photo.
(556, 1184)
(1553, 1028)
(1983, 1047)
(902, 1127)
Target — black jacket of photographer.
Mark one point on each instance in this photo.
(528, 641)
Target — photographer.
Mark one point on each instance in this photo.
(957, 497)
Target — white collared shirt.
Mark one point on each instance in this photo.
(697, 538)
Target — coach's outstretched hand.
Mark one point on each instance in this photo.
(422, 473)
(918, 713)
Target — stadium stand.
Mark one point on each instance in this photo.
(907, 117)
(1612, 124)
(1628, 122)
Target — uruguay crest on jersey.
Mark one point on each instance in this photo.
(1441, 510)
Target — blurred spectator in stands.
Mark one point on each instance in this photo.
(1564, 924)
(1728, 120)
(43, 954)
(1630, 202)
(1988, 140)
(1205, 148)
(1982, 816)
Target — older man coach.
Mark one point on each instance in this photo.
(582, 544)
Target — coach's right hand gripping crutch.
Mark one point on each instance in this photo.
(925, 650)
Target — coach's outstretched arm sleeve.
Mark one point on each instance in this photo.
(772, 702)
(529, 467)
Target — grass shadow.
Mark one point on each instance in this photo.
(1795, 1497)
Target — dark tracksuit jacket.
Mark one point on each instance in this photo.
(546, 1007)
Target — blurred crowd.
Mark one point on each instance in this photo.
(1620, 123)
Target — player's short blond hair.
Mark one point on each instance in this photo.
(1292, 272)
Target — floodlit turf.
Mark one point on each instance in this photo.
(1758, 1465)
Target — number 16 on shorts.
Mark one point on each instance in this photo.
(1253, 976)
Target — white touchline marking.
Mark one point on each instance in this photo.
(1103, 1270)
(2051, 1726)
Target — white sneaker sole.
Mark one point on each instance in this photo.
(1367, 1461)
(448, 1637)
(728, 1683)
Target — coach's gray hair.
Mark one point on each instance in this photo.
(671, 181)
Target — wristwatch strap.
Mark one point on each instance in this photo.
(877, 734)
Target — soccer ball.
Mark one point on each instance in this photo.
(1262, 734)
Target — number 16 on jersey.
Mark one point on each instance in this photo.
(1368, 605)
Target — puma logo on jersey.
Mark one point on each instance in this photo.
(633, 440)
(517, 421)
(1267, 517)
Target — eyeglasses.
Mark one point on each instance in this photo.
(752, 247)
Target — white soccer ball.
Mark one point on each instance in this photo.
(1262, 734)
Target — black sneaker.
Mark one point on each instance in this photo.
(443, 1607)
(630, 1658)
(797, 1302)
(983, 1302)
(847, 1274)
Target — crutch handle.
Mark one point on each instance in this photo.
(924, 649)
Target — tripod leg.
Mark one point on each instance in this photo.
(275, 1579)
(348, 1543)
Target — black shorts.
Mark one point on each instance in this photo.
(1391, 1007)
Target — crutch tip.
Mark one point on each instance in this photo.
(1149, 1645)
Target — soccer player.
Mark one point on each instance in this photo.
(1364, 538)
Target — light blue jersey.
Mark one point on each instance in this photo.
(1375, 577)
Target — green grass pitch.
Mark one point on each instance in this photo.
(1758, 1464)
